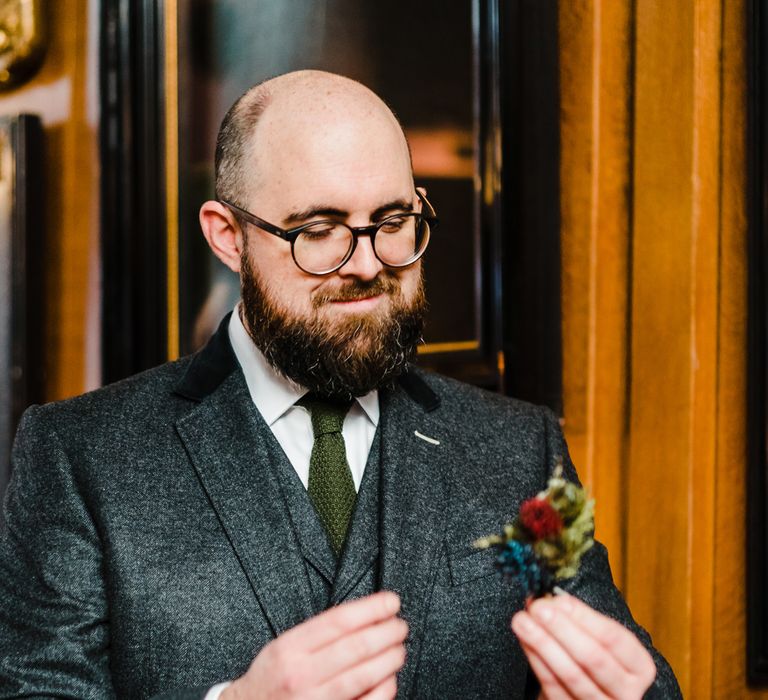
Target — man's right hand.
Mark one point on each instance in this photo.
(351, 651)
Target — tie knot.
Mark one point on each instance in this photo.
(327, 416)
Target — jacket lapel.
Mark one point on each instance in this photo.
(414, 500)
(227, 442)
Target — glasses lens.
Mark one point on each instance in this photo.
(401, 240)
(321, 247)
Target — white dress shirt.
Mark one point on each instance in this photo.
(275, 398)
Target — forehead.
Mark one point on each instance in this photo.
(328, 154)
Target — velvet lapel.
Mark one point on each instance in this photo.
(415, 481)
(227, 441)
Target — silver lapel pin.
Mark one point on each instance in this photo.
(430, 440)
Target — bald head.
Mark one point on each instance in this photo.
(298, 118)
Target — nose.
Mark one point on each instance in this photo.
(363, 264)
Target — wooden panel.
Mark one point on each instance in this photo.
(58, 92)
(680, 407)
(729, 612)
(595, 97)
(705, 242)
(653, 154)
(659, 523)
(72, 189)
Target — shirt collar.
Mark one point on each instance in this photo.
(270, 391)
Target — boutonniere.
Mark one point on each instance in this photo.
(545, 542)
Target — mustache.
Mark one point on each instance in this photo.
(358, 289)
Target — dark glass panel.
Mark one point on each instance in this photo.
(417, 56)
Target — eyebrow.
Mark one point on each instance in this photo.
(323, 211)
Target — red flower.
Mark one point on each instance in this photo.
(540, 519)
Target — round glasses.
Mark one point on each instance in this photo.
(322, 247)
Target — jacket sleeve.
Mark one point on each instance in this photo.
(594, 582)
(54, 631)
(54, 612)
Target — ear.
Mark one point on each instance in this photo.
(423, 192)
(223, 233)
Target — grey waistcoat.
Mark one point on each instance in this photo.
(356, 573)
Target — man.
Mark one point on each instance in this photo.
(290, 512)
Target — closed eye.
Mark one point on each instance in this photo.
(393, 224)
(322, 229)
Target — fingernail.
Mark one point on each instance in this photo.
(522, 623)
(543, 611)
(392, 602)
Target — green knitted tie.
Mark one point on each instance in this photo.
(330, 488)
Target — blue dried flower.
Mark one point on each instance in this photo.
(519, 561)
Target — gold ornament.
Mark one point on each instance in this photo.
(22, 40)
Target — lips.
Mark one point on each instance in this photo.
(357, 292)
(355, 299)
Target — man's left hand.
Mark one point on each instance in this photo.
(577, 652)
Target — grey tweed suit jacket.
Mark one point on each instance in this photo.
(149, 550)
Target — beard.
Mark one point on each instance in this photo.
(336, 358)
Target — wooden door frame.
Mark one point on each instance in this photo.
(518, 91)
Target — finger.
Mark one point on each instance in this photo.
(357, 647)
(363, 677)
(386, 690)
(624, 646)
(595, 659)
(551, 688)
(328, 626)
(568, 672)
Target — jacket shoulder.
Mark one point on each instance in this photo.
(135, 398)
(459, 396)
(499, 432)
